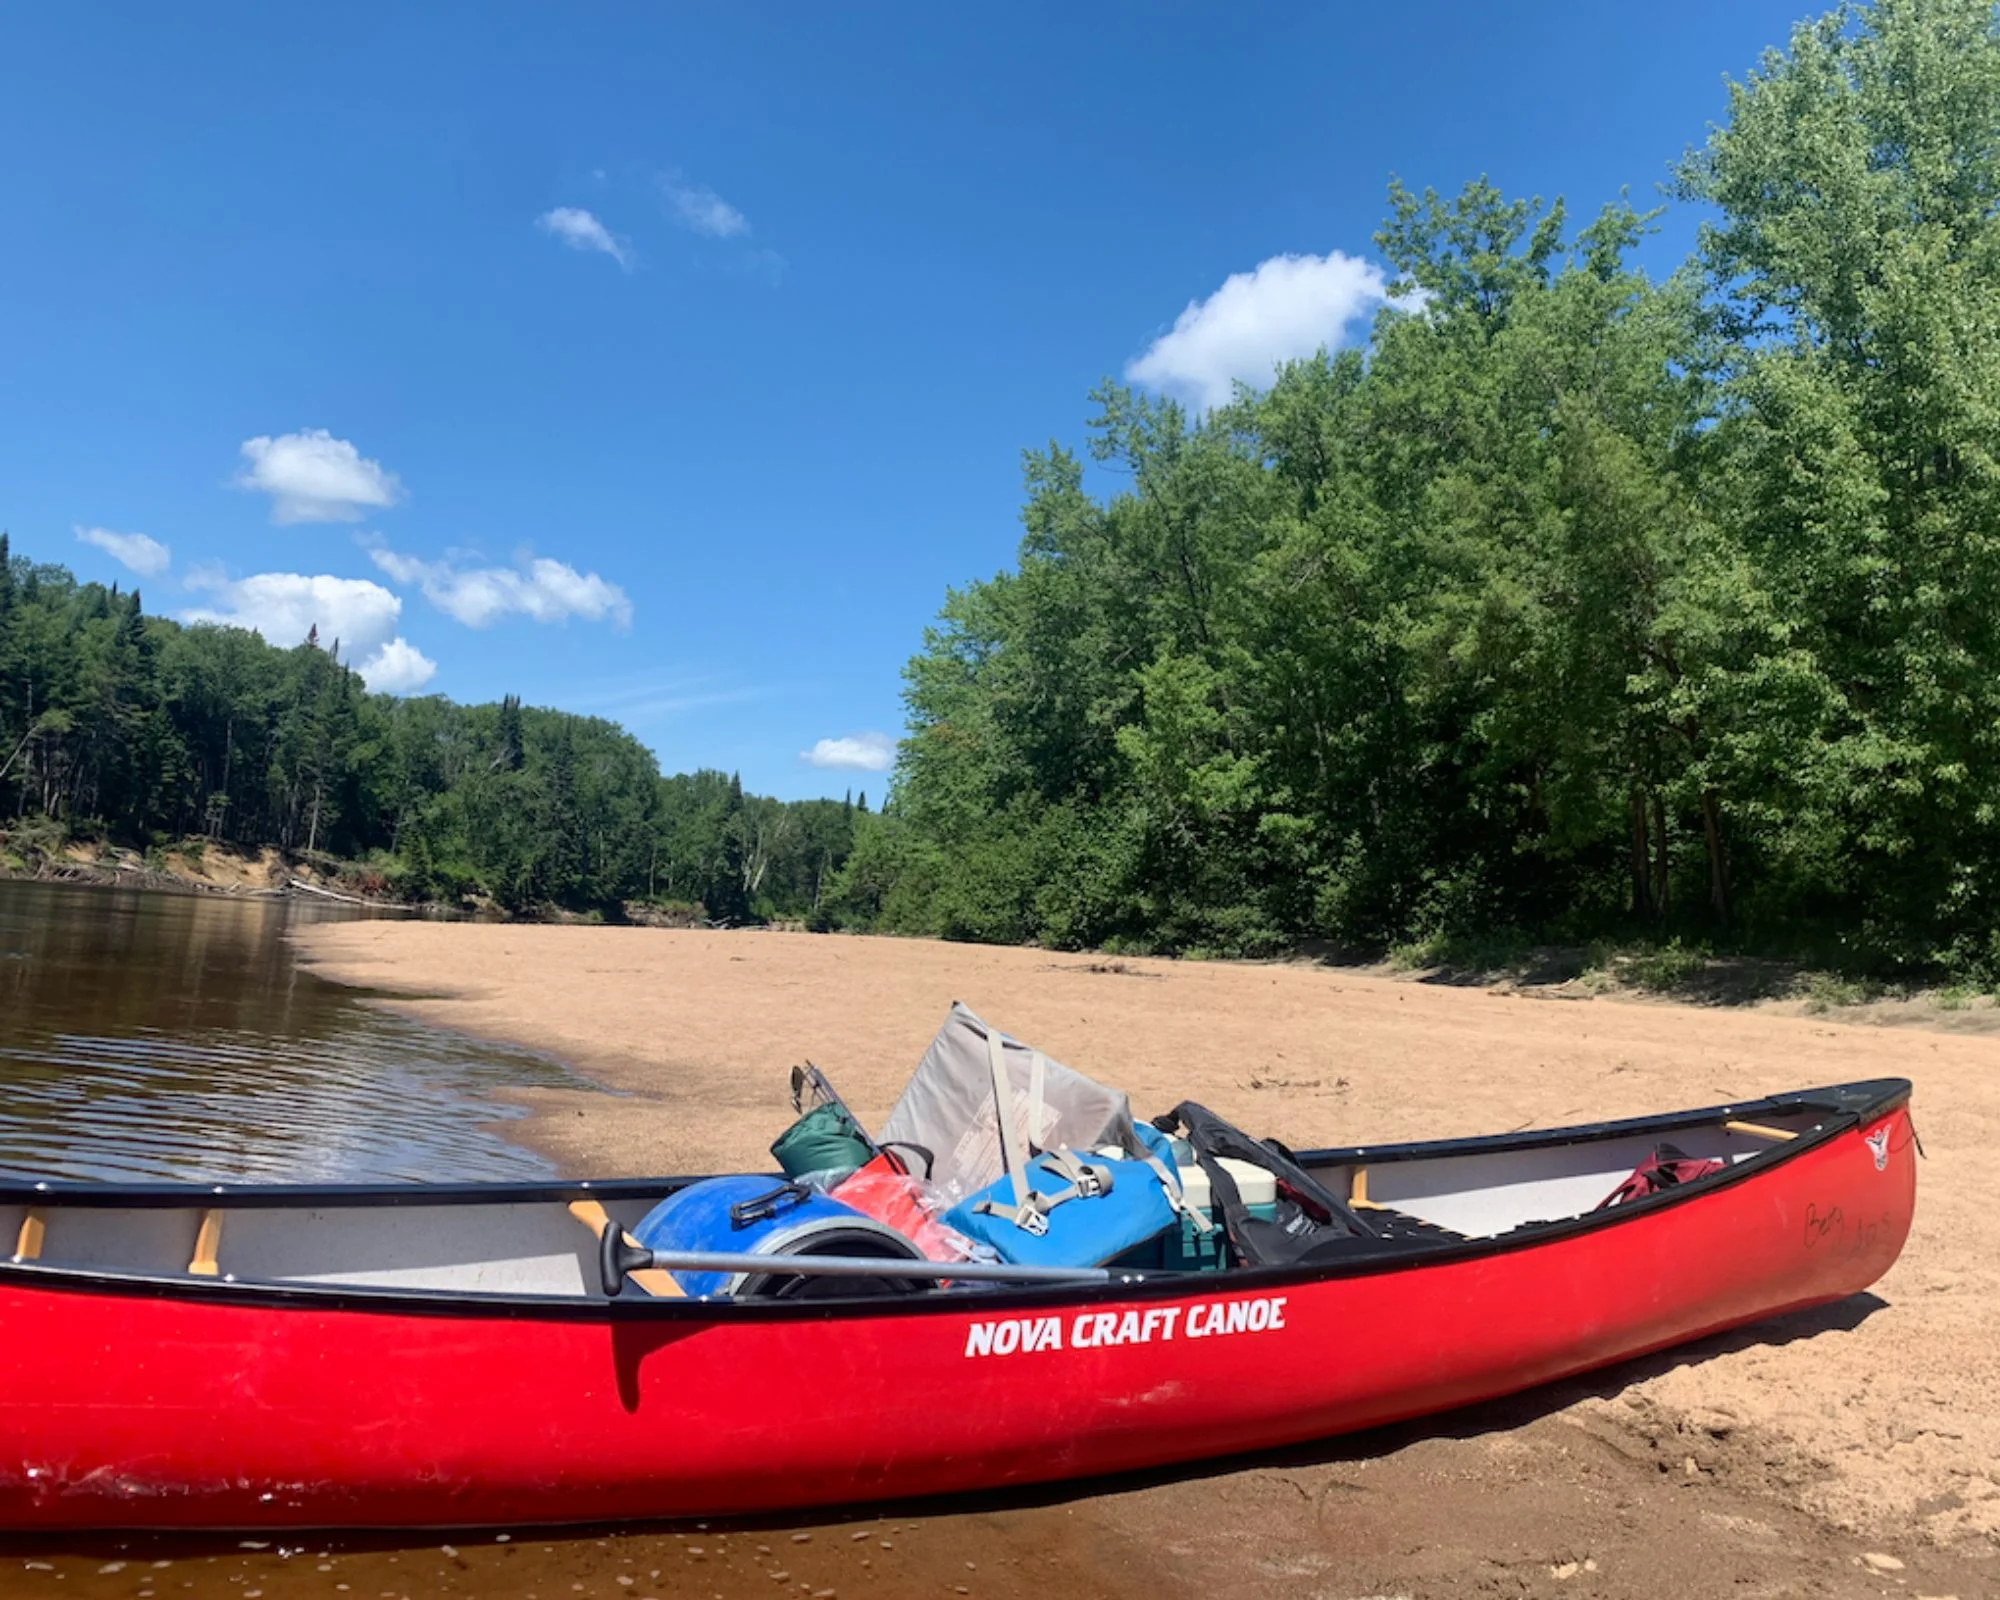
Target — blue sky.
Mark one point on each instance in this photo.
(669, 364)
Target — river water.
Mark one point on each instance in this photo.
(159, 1036)
(150, 1036)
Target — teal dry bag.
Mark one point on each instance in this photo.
(825, 1141)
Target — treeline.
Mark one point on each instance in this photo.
(1576, 600)
(116, 723)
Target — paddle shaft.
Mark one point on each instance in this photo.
(858, 1267)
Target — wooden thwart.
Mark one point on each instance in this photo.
(655, 1282)
(1758, 1130)
(1357, 1193)
(207, 1239)
(28, 1244)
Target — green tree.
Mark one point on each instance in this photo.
(1856, 266)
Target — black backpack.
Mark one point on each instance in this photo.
(1312, 1224)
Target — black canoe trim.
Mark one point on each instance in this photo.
(1844, 1107)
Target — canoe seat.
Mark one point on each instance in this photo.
(207, 1240)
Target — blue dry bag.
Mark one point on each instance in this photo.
(1080, 1213)
(752, 1216)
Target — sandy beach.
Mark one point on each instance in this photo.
(1854, 1450)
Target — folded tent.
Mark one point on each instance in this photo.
(952, 1107)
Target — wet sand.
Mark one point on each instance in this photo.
(1772, 1461)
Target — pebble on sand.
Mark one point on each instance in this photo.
(1881, 1562)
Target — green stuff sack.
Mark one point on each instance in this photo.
(825, 1142)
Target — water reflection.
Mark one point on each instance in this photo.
(147, 1036)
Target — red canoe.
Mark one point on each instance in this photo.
(264, 1357)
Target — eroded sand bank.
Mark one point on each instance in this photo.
(1880, 1419)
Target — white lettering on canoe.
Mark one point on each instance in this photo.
(1236, 1316)
(1103, 1330)
(1005, 1338)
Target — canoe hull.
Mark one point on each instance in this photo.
(143, 1408)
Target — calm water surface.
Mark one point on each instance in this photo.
(148, 1036)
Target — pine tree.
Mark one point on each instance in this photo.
(728, 898)
(561, 864)
(509, 747)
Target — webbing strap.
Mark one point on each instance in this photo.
(1038, 1076)
(1003, 1109)
(1087, 1180)
(1170, 1180)
(1027, 1218)
(1085, 1177)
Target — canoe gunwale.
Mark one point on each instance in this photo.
(1844, 1108)
(1869, 1097)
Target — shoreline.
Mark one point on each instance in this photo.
(1877, 1420)
(195, 867)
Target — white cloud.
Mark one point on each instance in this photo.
(546, 590)
(284, 607)
(580, 230)
(143, 555)
(313, 477)
(700, 209)
(404, 569)
(648, 698)
(398, 667)
(1288, 308)
(861, 752)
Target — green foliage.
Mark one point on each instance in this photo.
(207, 733)
(1578, 606)
(1577, 603)
(1664, 967)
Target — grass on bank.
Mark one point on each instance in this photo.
(1693, 971)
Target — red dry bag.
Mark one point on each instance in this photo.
(888, 1191)
(1666, 1168)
